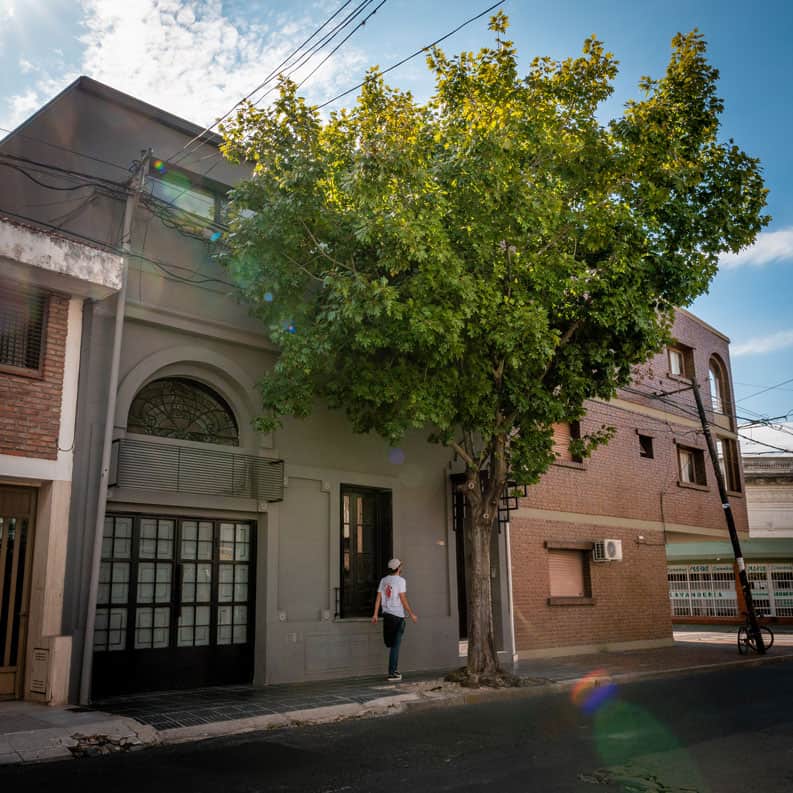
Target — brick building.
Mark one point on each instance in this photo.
(652, 485)
(44, 280)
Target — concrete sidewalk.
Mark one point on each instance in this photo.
(32, 733)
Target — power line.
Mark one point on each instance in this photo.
(69, 172)
(115, 249)
(341, 43)
(683, 409)
(267, 79)
(381, 72)
(765, 390)
(315, 48)
(124, 168)
(44, 184)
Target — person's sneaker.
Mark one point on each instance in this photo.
(395, 678)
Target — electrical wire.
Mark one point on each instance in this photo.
(120, 187)
(39, 182)
(765, 390)
(266, 80)
(315, 48)
(341, 43)
(62, 148)
(381, 72)
(683, 409)
(166, 268)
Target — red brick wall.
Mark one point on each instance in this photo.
(30, 407)
(631, 599)
(631, 596)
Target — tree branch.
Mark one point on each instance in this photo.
(301, 267)
(322, 252)
(566, 336)
(461, 452)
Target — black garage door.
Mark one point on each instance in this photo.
(175, 604)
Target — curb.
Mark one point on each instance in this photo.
(424, 700)
(294, 718)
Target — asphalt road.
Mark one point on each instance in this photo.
(711, 732)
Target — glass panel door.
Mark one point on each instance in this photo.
(175, 601)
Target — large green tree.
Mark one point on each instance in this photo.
(482, 264)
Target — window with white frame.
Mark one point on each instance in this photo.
(681, 361)
(691, 464)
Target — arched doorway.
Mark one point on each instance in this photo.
(176, 593)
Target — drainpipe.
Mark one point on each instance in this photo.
(512, 647)
(136, 186)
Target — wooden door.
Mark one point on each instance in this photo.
(17, 510)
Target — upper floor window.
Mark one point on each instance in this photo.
(564, 434)
(718, 389)
(691, 464)
(681, 361)
(175, 407)
(175, 188)
(23, 320)
(646, 446)
(728, 462)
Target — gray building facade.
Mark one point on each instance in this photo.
(220, 554)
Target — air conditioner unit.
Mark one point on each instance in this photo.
(607, 551)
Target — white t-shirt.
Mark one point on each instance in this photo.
(390, 588)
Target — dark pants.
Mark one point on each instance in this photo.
(393, 655)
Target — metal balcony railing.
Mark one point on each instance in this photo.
(148, 465)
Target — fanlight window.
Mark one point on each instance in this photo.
(175, 407)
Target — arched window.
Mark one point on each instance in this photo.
(175, 407)
(718, 390)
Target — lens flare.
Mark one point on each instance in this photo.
(268, 297)
(396, 456)
(158, 166)
(592, 690)
(215, 237)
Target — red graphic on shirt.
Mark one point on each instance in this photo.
(388, 591)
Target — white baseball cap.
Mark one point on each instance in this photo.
(394, 564)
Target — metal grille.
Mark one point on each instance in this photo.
(175, 407)
(22, 319)
(182, 469)
(709, 589)
(702, 590)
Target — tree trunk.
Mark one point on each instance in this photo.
(482, 498)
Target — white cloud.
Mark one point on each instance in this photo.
(26, 67)
(186, 57)
(763, 344)
(771, 246)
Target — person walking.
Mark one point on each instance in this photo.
(392, 596)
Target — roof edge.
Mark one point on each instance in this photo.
(704, 324)
(91, 86)
(30, 119)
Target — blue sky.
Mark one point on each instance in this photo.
(195, 58)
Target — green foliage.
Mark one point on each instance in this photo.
(483, 263)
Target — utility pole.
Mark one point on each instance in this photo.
(725, 503)
(133, 196)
